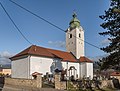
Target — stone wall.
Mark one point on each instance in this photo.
(58, 83)
(102, 84)
(114, 83)
(106, 83)
(62, 85)
(35, 83)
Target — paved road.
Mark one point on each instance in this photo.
(17, 88)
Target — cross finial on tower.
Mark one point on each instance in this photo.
(74, 22)
(74, 14)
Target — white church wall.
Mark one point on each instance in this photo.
(40, 64)
(20, 68)
(43, 64)
(89, 70)
(83, 70)
(86, 70)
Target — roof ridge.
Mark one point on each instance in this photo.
(22, 52)
(86, 59)
(73, 56)
(30, 48)
(51, 49)
(57, 50)
(46, 50)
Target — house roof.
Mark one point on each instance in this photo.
(115, 74)
(46, 52)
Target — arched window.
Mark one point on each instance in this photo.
(70, 36)
(72, 71)
(79, 35)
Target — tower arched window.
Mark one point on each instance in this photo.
(79, 35)
(70, 36)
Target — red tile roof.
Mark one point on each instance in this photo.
(85, 59)
(36, 73)
(46, 52)
(115, 74)
(65, 56)
(35, 50)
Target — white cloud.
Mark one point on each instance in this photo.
(5, 54)
(105, 42)
(5, 61)
(57, 43)
(4, 57)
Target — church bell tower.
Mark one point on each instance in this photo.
(75, 38)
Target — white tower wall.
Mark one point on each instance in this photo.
(75, 44)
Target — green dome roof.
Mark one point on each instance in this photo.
(74, 22)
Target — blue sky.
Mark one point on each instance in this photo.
(41, 33)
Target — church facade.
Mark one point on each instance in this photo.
(44, 60)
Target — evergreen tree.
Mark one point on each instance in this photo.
(112, 31)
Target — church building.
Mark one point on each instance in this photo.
(44, 60)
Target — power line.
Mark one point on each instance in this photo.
(37, 15)
(50, 23)
(15, 24)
